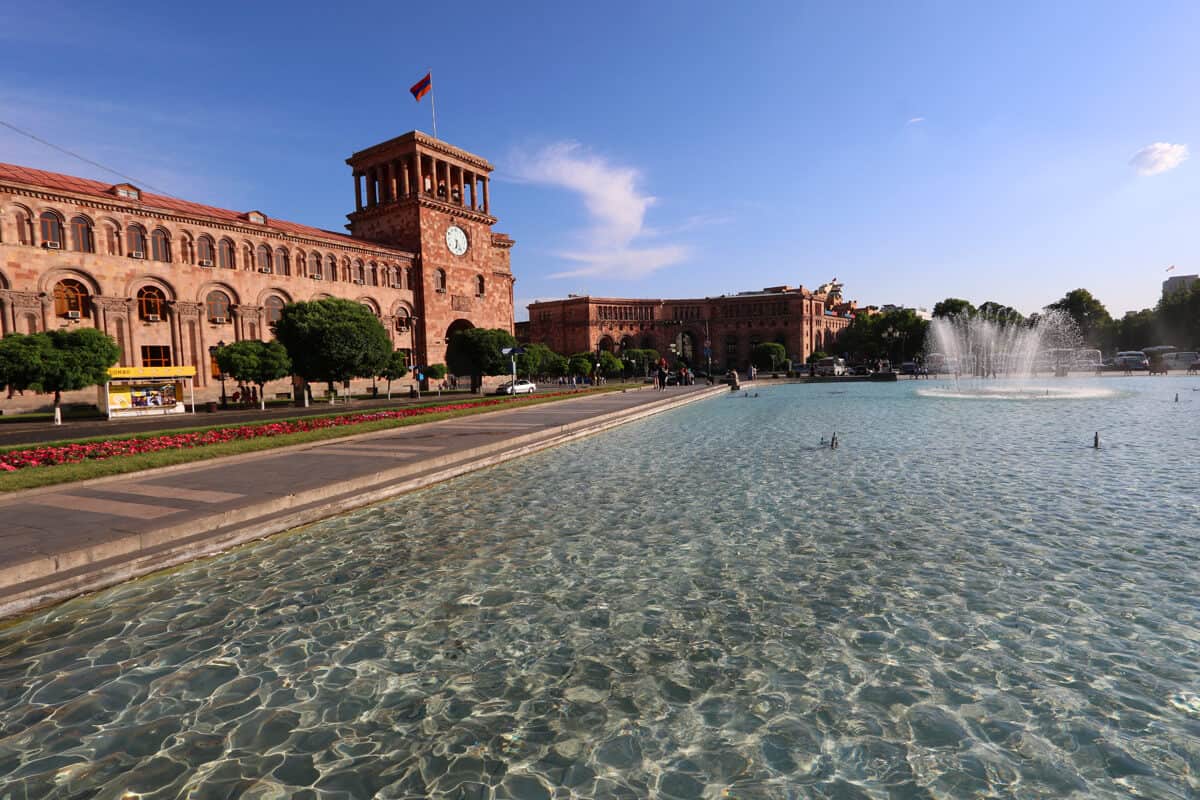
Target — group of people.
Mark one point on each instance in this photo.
(245, 395)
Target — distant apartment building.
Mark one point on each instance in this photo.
(1179, 283)
(724, 328)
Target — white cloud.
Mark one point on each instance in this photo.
(1159, 157)
(915, 121)
(616, 208)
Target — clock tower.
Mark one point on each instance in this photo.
(420, 194)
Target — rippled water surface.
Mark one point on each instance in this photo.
(965, 599)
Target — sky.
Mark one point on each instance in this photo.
(913, 150)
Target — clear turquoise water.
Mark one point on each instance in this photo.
(964, 600)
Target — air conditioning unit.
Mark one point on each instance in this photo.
(316, 277)
(359, 281)
(153, 318)
(441, 291)
(217, 320)
(73, 315)
(137, 254)
(397, 285)
(265, 270)
(205, 262)
(402, 326)
(52, 245)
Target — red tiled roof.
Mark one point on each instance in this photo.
(69, 183)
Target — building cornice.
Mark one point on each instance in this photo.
(427, 143)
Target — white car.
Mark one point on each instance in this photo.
(520, 387)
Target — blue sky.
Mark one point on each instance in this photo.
(1000, 151)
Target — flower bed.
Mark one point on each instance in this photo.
(53, 455)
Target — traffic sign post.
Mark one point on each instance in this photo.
(513, 352)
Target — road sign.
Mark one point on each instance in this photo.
(513, 351)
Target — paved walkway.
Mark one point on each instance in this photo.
(61, 541)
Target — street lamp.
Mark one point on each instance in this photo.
(891, 334)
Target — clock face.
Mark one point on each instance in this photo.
(456, 240)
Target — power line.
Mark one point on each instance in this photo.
(84, 159)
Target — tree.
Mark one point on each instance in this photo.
(476, 352)
(73, 360)
(642, 359)
(610, 365)
(21, 361)
(256, 362)
(1004, 315)
(333, 340)
(816, 356)
(580, 365)
(1089, 314)
(395, 369)
(768, 356)
(537, 360)
(953, 306)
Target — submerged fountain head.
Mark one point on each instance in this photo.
(982, 346)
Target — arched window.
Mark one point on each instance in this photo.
(151, 303)
(479, 286)
(439, 280)
(160, 245)
(314, 266)
(82, 240)
(71, 299)
(52, 230)
(403, 319)
(135, 241)
(371, 308)
(216, 305)
(274, 308)
(360, 272)
(24, 227)
(283, 262)
(264, 258)
(226, 255)
(331, 268)
(204, 251)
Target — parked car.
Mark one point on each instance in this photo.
(1131, 359)
(520, 387)
(859, 369)
(909, 368)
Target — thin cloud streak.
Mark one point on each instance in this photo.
(1157, 158)
(616, 209)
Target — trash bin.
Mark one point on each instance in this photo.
(211, 406)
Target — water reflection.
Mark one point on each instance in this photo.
(963, 600)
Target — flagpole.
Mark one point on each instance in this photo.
(433, 104)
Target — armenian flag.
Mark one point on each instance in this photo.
(422, 87)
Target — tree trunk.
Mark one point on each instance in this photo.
(58, 407)
(332, 393)
(389, 388)
(262, 397)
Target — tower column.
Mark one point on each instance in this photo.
(470, 181)
(404, 177)
(358, 191)
(392, 195)
(462, 189)
(420, 178)
(487, 205)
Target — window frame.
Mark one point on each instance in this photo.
(211, 304)
(50, 226)
(150, 297)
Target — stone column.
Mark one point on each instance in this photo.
(192, 313)
(6, 315)
(462, 189)
(404, 177)
(176, 334)
(392, 195)
(487, 202)
(358, 191)
(420, 177)
(472, 179)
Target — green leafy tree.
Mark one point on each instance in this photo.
(256, 362)
(333, 340)
(643, 359)
(953, 306)
(768, 356)
(816, 356)
(1089, 313)
(1179, 317)
(537, 360)
(477, 352)
(21, 358)
(395, 369)
(1002, 314)
(580, 364)
(75, 359)
(435, 372)
(610, 365)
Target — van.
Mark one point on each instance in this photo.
(1180, 360)
(1131, 359)
(831, 366)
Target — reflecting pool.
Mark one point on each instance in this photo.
(965, 599)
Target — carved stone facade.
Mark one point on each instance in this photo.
(170, 279)
(803, 321)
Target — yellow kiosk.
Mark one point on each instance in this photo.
(147, 391)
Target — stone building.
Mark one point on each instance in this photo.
(802, 320)
(170, 279)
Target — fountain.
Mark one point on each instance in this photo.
(985, 347)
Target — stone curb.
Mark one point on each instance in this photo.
(50, 579)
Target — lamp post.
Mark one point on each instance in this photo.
(891, 334)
